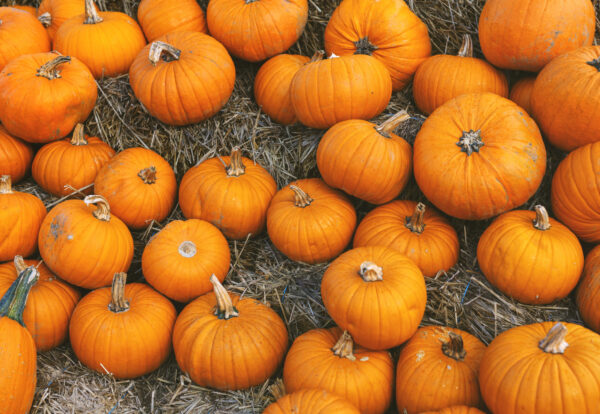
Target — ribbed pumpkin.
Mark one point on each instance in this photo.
(255, 30)
(139, 185)
(588, 292)
(520, 93)
(159, 17)
(43, 96)
(443, 77)
(107, 42)
(179, 260)
(386, 29)
(456, 409)
(479, 155)
(442, 363)
(20, 34)
(565, 99)
(325, 92)
(233, 193)
(375, 293)
(307, 401)
(21, 216)
(50, 304)
(327, 359)
(420, 233)
(56, 12)
(15, 156)
(527, 34)
(310, 222)
(366, 160)
(544, 368)
(124, 330)
(228, 343)
(82, 243)
(183, 77)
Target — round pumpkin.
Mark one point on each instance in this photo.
(255, 30)
(527, 34)
(327, 359)
(388, 30)
(20, 34)
(456, 409)
(159, 17)
(139, 185)
(228, 343)
(43, 96)
(83, 244)
(15, 156)
(588, 292)
(479, 155)
(56, 12)
(124, 330)
(310, 222)
(29, 9)
(520, 93)
(309, 401)
(183, 77)
(543, 368)
(375, 293)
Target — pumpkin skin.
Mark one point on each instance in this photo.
(420, 233)
(20, 34)
(527, 34)
(520, 93)
(15, 156)
(159, 17)
(29, 9)
(311, 401)
(565, 99)
(326, 359)
(377, 294)
(83, 244)
(588, 293)
(563, 380)
(59, 11)
(388, 30)
(185, 79)
(59, 92)
(139, 185)
(479, 155)
(255, 30)
(179, 260)
(456, 409)
(310, 222)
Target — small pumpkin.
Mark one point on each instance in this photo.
(139, 185)
(588, 292)
(55, 12)
(228, 343)
(20, 34)
(310, 222)
(456, 409)
(520, 93)
(159, 17)
(307, 401)
(15, 156)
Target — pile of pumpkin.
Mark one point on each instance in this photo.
(477, 156)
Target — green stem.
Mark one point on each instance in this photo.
(13, 302)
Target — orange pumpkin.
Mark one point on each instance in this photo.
(588, 292)
(310, 222)
(59, 92)
(229, 343)
(366, 160)
(183, 77)
(520, 93)
(159, 17)
(308, 401)
(29, 9)
(139, 185)
(479, 155)
(20, 34)
(456, 409)
(56, 12)
(386, 29)
(15, 156)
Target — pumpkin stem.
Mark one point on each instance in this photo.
(148, 175)
(466, 50)
(595, 63)
(301, 199)
(13, 302)
(49, 70)
(416, 223)
(224, 309)
(542, 221)
(5, 184)
(19, 264)
(277, 390)
(370, 272)
(91, 13)
(118, 303)
(160, 49)
(319, 55)
(187, 249)
(454, 348)
(45, 19)
(344, 347)
(389, 125)
(102, 211)
(236, 166)
(364, 46)
(78, 137)
(554, 342)
(470, 142)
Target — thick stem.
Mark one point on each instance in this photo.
(19, 264)
(318, 55)
(595, 63)
(78, 137)
(5, 184)
(163, 50)
(49, 70)
(389, 125)
(453, 348)
(224, 309)
(236, 166)
(554, 342)
(13, 302)
(102, 211)
(470, 142)
(277, 390)
(301, 199)
(466, 50)
(370, 272)
(148, 175)
(344, 347)
(91, 13)
(364, 47)
(542, 221)
(45, 19)
(187, 249)
(416, 223)
(118, 303)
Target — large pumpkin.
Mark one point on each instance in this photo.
(15, 156)
(588, 292)
(159, 17)
(56, 12)
(520, 93)
(308, 401)
(20, 34)
(386, 29)
(527, 34)
(479, 155)
(29, 9)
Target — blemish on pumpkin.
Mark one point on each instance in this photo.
(363, 359)
(420, 356)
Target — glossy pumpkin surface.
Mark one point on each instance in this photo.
(15, 156)
(20, 34)
(159, 17)
(58, 12)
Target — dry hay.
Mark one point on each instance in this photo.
(462, 298)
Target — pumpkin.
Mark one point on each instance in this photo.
(56, 12)
(310, 222)
(107, 42)
(442, 363)
(420, 233)
(83, 244)
(255, 30)
(232, 193)
(272, 86)
(327, 359)
(520, 93)
(375, 293)
(588, 292)
(17, 350)
(50, 304)
(123, 330)
(542, 368)
(323, 91)
(456, 409)
(366, 160)
(479, 155)
(307, 401)
(21, 216)
(29, 9)
(228, 343)
(386, 29)
(159, 17)
(565, 98)
(179, 260)
(20, 34)
(527, 34)
(43, 96)
(139, 185)
(65, 166)
(15, 156)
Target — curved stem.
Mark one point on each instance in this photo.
(470, 142)
(542, 221)
(102, 211)
(344, 347)
(160, 49)
(387, 127)
(49, 70)
(187, 249)
(301, 199)
(148, 175)
(595, 63)
(466, 50)
(13, 302)
(91, 13)
(5, 184)
(370, 272)
(416, 223)
(45, 19)
(364, 46)
(78, 137)
(454, 348)
(554, 342)
(318, 55)
(236, 166)
(224, 309)
(277, 390)
(118, 303)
